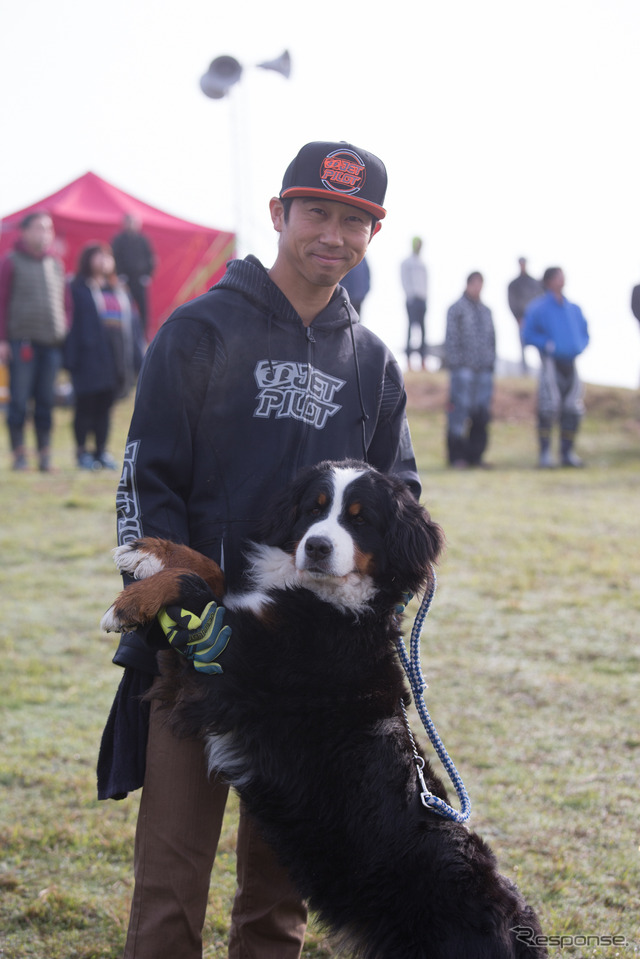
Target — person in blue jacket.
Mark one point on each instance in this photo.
(268, 372)
(559, 331)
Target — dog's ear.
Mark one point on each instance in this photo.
(413, 542)
(276, 526)
(281, 513)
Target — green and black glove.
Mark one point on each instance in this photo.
(199, 639)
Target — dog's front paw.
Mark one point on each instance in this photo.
(132, 608)
(140, 602)
(110, 622)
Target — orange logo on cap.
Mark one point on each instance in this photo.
(343, 171)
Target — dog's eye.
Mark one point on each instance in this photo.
(316, 506)
(357, 514)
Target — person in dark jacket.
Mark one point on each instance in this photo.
(357, 283)
(268, 372)
(470, 355)
(102, 351)
(520, 293)
(558, 329)
(135, 264)
(635, 302)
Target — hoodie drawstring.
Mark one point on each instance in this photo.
(269, 328)
(365, 416)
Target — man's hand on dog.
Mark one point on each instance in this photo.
(199, 639)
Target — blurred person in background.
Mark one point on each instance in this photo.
(34, 314)
(470, 356)
(557, 328)
(413, 273)
(520, 293)
(135, 263)
(357, 283)
(635, 302)
(102, 353)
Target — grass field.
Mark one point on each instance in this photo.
(531, 652)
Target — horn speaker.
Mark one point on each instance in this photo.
(281, 64)
(223, 72)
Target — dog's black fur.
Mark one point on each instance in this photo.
(304, 721)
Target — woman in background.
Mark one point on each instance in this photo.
(103, 351)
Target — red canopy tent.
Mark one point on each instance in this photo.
(189, 258)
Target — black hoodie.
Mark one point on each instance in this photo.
(235, 396)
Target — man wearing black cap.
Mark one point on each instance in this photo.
(266, 373)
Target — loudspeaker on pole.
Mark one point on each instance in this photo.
(223, 72)
(281, 64)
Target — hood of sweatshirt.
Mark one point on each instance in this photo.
(250, 278)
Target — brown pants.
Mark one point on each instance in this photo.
(177, 835)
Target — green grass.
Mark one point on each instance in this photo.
(531, 652)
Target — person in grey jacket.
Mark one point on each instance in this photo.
(266, 373)
(413, 273)
(470, 355)
(34, 318)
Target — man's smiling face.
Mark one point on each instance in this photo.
(320, 240)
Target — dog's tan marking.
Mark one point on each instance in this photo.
(364, 563)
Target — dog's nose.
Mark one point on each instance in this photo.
(317, 548)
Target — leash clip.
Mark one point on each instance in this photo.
(426, 796)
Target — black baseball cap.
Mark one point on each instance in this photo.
(337, 171)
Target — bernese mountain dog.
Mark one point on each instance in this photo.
(305, 719)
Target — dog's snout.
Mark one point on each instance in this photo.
(318, 548)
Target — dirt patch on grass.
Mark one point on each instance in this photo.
(514, 400)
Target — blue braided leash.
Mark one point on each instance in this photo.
(418, 685)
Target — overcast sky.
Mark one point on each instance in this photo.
(507, 129)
